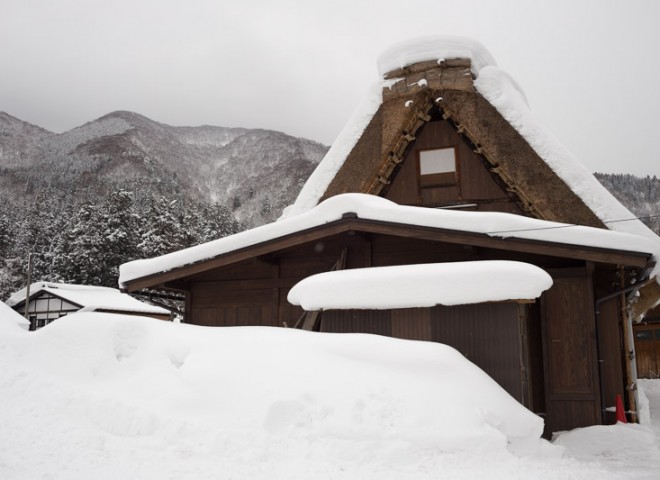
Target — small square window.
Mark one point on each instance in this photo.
(644, 335)
(437, 167)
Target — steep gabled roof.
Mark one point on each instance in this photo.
(457, 78)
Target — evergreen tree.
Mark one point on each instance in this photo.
(159, 228)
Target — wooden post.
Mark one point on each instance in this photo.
(27, 290)
(628, 342)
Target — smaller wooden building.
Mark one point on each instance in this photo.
(49, 301)
(647, 345)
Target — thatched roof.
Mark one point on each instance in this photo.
(456, 79)
(490, 113)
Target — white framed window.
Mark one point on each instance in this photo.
(437, 167)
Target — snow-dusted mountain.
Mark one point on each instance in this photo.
(254, 172)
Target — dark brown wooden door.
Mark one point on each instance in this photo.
(569, 348)
(647, 351)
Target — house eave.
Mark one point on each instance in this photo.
(350, 224)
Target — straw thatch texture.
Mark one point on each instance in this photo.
(448, 88)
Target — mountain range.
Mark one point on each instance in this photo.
(254, 172)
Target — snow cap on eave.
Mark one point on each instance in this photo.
(426, 285)
(371, 207)
(434, 48)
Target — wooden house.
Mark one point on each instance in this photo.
(49, 301)
(464, 174)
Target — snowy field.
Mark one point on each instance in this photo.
(110, 397)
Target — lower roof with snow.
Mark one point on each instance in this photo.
(88, 298)
(373, 209)
(426, 285)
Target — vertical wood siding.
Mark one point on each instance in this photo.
(489, 335)
(474, 183)
(571, 367)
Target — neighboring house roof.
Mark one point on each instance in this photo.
(425, 285)
(88, 298)
(369, 212)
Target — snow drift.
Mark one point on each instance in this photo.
(133, 377)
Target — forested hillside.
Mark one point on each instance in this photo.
(640, 194)
(85, 239)
(124, 187)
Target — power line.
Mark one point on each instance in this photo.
(635, 218)
(571, 225)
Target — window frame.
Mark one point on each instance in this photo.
(442, 179)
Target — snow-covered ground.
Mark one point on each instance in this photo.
(102, 396)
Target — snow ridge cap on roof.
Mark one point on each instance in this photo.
(434, 47)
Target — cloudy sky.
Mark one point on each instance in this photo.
(590, 68)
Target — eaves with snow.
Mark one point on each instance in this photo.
(373, 208)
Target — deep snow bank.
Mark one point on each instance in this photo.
(277, 380)
(106, 397)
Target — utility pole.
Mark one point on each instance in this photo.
(27, 290)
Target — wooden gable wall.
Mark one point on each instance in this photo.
(473, 185)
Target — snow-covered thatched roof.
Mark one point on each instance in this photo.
(459, 77)
(490, 82)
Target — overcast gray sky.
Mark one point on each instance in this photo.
(590, 68)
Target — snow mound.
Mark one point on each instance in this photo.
(9, 318)
(435, 47)
(427, 285)
(135, 376)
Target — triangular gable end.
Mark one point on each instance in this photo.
(434, 106)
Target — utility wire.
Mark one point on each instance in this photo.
(571, 225)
